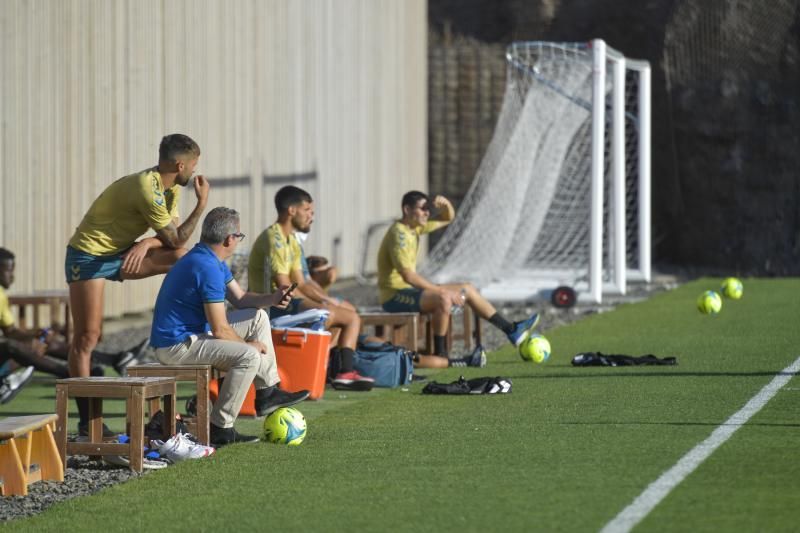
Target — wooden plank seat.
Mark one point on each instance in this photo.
(200, 375)
(401, 328)
(57, 304)
(135, 391)
(408, 327)
(28, 453)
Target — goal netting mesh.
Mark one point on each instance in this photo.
(525, 223)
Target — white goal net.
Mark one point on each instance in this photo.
(562, 194)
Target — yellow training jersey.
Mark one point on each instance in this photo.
(6, 318)
(124, 211)
(272, 253)
(398, 252)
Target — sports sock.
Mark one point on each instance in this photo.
(501, 323)
(440, 345)
(347, 360)
(83, 410)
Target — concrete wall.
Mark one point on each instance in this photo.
(328, 95)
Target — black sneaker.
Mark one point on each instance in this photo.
(224, 436)
(129, 357)
(83, 431)
(477, 359)
(279, 399)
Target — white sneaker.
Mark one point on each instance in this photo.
(20, 377)
(179, 447)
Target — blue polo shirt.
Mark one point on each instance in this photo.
(199, 277)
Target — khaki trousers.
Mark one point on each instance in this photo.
(242, 363)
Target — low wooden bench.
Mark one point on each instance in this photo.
(135, 391)
(28, 453)
(404, 327)
(470, 331)
(408, 327)
(57, 302)
(200, 375)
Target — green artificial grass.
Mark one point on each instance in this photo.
(566, 451)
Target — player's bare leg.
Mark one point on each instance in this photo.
(474, 299)
(348, 322)
(86, 305)
(439, 306)
(157, 261)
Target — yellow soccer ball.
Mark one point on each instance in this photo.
(709, 303)
(732, 288)
(535, 348)
(287, 426)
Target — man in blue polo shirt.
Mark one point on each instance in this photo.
(190, 326)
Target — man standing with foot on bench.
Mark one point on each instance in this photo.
(104, 245)
(402, 289)
(191, 303)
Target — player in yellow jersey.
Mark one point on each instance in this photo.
(402, 289)
(104, 245)
(275, 261)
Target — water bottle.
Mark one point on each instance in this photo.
(458, 309)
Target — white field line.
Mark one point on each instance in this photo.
(660, 488)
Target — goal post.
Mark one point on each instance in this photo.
(562, 195)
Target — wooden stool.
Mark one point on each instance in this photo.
(199, 374)
(470, 336)
(28, 453)
(135, 391)
(404, 327)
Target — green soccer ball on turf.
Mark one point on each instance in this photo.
(732, 288)
(709, 303)
(287, 426)
(535, 348)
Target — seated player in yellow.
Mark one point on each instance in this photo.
(402, 289)
(104, 245)
(275, 262)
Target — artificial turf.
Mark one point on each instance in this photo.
(567, 450)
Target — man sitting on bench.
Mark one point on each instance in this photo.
(402, 289)
(275, 261)
(191, 303)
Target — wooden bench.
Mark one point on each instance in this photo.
(135, 391)
(404, 327)
(56, 301)
(28, 453)
(408, 327)
(200, 375)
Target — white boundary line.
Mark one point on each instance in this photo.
(660, 488)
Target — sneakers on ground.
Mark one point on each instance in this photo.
(180, 447)
(83, 431)
(476, 359)
(224, 436)
(129, 357)
(523, 329)
(11, 384)
(278, 399)
(352, 381)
